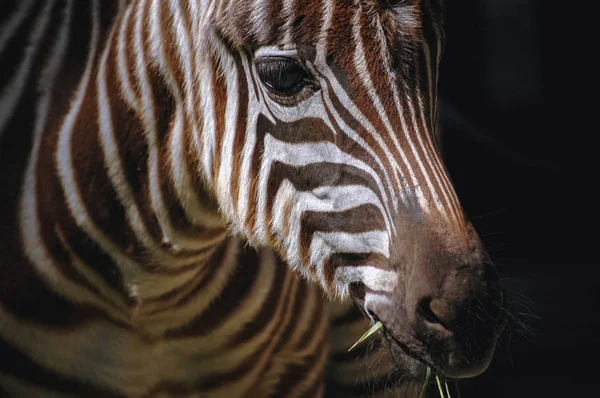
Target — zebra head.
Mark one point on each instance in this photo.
(328, 155)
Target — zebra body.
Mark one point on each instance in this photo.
(163, 231)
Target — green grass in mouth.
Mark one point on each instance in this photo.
(438, 381)
(369, 332)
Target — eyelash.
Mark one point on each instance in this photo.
(282, 76)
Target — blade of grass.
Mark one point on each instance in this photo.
(447, 389)
(439, 384)
(424, 388)
(369, 332)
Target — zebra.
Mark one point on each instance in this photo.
(216, 198)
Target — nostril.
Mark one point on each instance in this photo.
(425, 311)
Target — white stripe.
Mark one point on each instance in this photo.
(229, 135)
(127, 90)
(10, 28)
(66, 168)
(91, 276)
(29, 218)
(324, 244)
(247, 152)
(326, 19)
(260, 23)
(374, 278)
(442, 177)
(317, 367)
(288, 224)
(270, 335)
(304, 154)
(324, 199)
(195, 211)
(209, 132)
(13, 91)
(359, 117)
(217, 342)
(170, 235)
(346, 242)
(361, 66)
(182, 314)
(185, 50)
(287, 13)
(116, 174)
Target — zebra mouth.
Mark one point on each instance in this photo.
(402, 350)
(419, 340)
(407, 354)
(445, 357)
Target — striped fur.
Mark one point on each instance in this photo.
(170, 228)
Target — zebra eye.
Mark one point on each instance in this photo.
(283, 76)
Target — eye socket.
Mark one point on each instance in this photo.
(283, 76)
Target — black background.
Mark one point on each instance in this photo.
(514, 87)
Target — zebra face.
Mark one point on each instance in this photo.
(338, 170)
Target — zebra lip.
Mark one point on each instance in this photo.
(415, 351)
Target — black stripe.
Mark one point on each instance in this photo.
(18, 365)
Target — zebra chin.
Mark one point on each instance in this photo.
(452, 330)
(414, 344)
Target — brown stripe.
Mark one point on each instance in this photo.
(348, 145)
(97, 194)
(236, 290)
(318, 315)
(212, 267)
(277, 295)
(296, 373)
(247, 365)
(15, 146)
(307, 178)
(164, 106)
(360, 219)
(171, 389)
(299, 302)
(53, 212)
(307, 23)
(336, 260)
(168, 27)
(169, 300)
(29, 298)
(18, 365)
(282, 304)
(307, 129)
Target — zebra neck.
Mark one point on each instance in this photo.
(126, 216)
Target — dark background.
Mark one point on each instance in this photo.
(516, 142)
